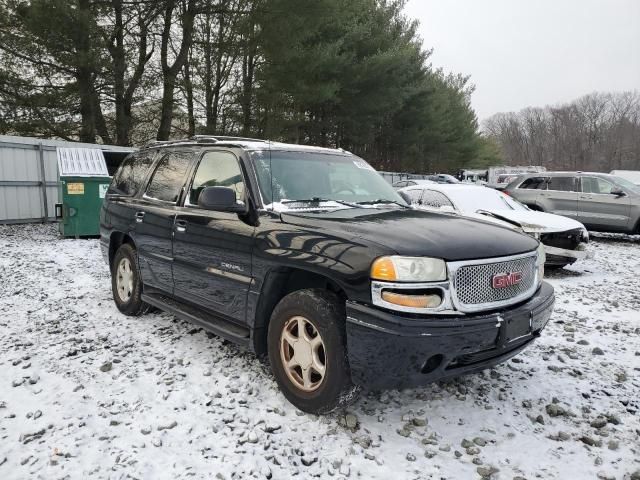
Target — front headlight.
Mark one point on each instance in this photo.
(409, 269)
(540, 261)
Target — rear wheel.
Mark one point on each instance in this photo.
(307, 352)
(126, 284)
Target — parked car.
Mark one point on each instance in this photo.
(502, 181)
(632, 176)
(308, 256)
(410, 182)
(600, 201)
(443, 178)
(564, 239)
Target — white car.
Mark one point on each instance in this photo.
(564, 239)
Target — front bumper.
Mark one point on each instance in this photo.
(387, 350)
(564, 256)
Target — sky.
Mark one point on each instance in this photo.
(523, 53)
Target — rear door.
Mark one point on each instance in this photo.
(599, 208)
(527, 192)
(154, 217)
(561, 196)
(212, 250)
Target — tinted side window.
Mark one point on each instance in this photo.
(132, 172)
(169, 177)
(534, 183)
(436, 199)
(217, 169)
(562, 184)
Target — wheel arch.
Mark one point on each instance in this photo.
(278, 283)
(116, 240)
(534, 206)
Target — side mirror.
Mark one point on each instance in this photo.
(618, 192)
(221, 199)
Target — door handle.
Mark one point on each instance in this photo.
(139, 217)
(181, 226)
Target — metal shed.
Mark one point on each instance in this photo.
(29, 175)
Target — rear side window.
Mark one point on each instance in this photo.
(534, 183)
(414, 195)
(169, 177)
(129, 177)
(435, 199)
(562, 184)
(217, 169)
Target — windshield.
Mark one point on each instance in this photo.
(624, 183)
(470, 200)
(335, 181)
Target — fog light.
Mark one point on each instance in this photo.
(412, 301)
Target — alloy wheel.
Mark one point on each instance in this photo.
(303, 353)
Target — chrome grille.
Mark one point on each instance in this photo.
(472, 282)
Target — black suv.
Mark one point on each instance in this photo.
(306, 254)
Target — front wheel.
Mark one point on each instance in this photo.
(126, 284)
(307, 352)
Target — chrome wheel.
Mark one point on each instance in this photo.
(303, 354)
(124, 280)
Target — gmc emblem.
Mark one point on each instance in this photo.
(504, 280)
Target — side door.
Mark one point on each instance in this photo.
(528, 190)
(599, 208)
(212, 250)
(154, 217)
(122, 201)
(561, 196)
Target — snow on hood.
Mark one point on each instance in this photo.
(532, 221)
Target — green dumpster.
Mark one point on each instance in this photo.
(83, 181)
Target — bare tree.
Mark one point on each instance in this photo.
(597, 132)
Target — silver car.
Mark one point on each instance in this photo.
(600, 201)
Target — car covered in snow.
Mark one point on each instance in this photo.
(409, 182)
(308, 257)
(564, 239)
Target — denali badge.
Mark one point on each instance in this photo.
(504, 280)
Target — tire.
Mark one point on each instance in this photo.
(128, 299)
(322, 313)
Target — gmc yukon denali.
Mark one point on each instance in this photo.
(307, 256)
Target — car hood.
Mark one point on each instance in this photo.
(419, 233)
(531, 221)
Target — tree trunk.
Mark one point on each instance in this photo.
(188, 88)
(170, 72)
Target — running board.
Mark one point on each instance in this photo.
(213, 323)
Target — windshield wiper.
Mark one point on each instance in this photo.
(382, 200)
(319, 200)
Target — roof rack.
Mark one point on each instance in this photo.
(223, 138)
(201, 139)
(162, 143)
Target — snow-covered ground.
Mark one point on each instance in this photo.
(87, 392)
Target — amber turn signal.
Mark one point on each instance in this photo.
(383, 269)
(412, 301)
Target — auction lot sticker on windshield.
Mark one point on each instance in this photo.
(362, 164)
(75, 188)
